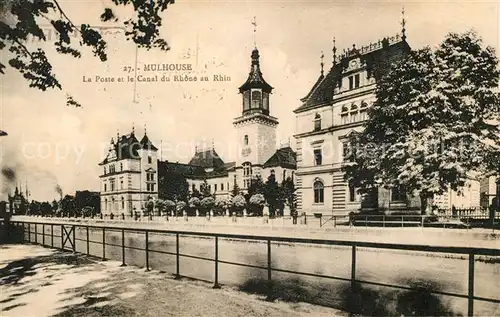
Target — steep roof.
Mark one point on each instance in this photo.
(180, 168)
(147, 144)
(378, 59)
(284, 157)
(126, 147)
(255, 79)
(207, 159)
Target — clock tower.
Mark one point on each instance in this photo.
(256, 128)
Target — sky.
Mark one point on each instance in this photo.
(50, 144)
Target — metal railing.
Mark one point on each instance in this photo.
(66, 237)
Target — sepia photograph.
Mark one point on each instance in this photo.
(249, 158)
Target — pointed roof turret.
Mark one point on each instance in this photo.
(146, 143)
(255, 79)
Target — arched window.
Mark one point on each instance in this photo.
(123, 203)
(105, 204)
(256, 99)
(317, 122)
(246, 140)
(319, 192)
(344, 116)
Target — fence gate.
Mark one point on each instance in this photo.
(68, 236)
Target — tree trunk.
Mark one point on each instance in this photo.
(425, 204)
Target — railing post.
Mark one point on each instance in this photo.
(470, 310)
(335, 221)
(43, 234)
(402, 221)
(62, 237)
(24, 233)
(52, 235)
(353, 267)
(103, 243)
(147, 250)
(123, 248)
(88, 243)
(366, 222)
(177, 257)
(269, 270)
(216, 255)
(36, 234)
(74, 238)
(383, 221)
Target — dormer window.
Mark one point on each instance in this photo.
(317, 122)
(351, 82)
(356, 81)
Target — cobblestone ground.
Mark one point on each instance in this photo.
(39, 282)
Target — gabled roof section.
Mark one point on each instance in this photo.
(146, 144)
(126, 147)
(377, 57)
(179, 168)
(207, 159)
(284, 157)
(255, 79)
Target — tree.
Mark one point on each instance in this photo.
(55, 206)
(435, 120)
(25, 17)
(256, 186)
(89, 199)
(288, 194)
(161, 207)
(205, 189)
(236, 190)
(172, 186)
(34, 208)
(68, 205)
(45, 209)
(271, 193)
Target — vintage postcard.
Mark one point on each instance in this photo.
(259, 158)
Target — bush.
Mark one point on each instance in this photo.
(256, 204)
(221, 205)
(193, 205)
(238, 203)
(180, 207)
(206, 205)
(169, 207)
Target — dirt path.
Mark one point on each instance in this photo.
(39, 282)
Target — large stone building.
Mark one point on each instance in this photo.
(131, 169)
(336, 107)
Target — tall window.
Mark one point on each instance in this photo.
(352, 193)
(193, 187)
(215, 187)
(150, 160)
(112, 183)
(356, 81)
(319, 192)
(318, 158)
(398, 193)
(256, 99)
(105, 204)
(121, 182)
(222, 186)
(351, 82)
(284, 174)
(105, 187)
(246, 139)
(123, 203)
(317, 122)
(104, 170)
(344, 116)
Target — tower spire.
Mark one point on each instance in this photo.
(334, 50)
(403, 25)
(322, 64)
(254, 23)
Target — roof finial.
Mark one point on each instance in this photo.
(213, 144)
(322, 64)
(145, 131)
(117, 134)
(334, 50)
(254, 23)
(133, 128)
(403, 24)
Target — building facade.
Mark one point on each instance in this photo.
(131, 169)
(335, 107)
(129, 175)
